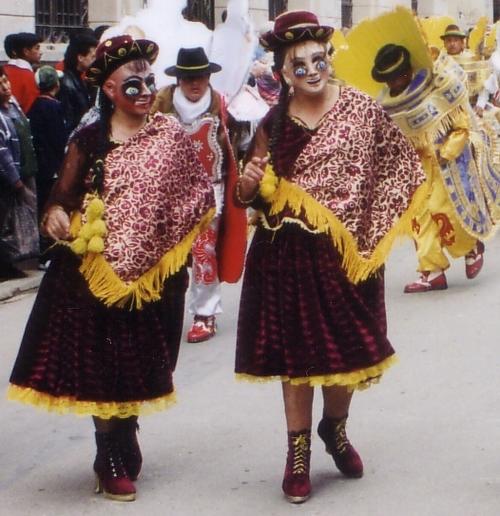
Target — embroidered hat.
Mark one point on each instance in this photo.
(294, 26)
(390, 62)
(192, 62)
(453, 30)
(46, 77)
(115, 52)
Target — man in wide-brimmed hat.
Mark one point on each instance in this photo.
(453, 39)
(218, 253)
(392, 66)
(439, 225)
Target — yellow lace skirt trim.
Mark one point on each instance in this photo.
(103, 410)
(355, 380)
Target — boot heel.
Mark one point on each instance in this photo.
(98, 486)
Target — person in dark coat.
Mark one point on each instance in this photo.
(49, 131)
(74, 93)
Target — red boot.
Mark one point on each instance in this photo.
(427, 281)
(111, 476)
(203, 328)
(474, 261)
(346, 458)
(296, 484)
(126, 435)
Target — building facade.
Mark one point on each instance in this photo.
(54, 19)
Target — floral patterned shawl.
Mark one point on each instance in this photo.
(157, 198)
(355, 177)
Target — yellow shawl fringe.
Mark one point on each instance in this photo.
(355, 380)
(101, 409)
(356, 266)
(105, 284)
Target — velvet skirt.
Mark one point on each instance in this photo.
(77, 355)
(302, 320)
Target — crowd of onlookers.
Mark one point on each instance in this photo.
(39, 108)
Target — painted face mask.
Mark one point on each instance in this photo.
(132, 87)
(307, 68)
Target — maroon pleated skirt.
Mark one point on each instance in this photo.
(301, 317)
(76, 348)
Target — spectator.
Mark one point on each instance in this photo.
(12, 182)
(74, 93)
(24, 51)
(49, 132)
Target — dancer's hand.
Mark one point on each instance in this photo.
(55, 223)
(250, 179)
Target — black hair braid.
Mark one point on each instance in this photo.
(97, 168)
(281, 108)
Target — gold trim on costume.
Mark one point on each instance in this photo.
(107, 286)
(354, 380)
(103, 410)
(200, 67)
(393, 67)
(321, 219)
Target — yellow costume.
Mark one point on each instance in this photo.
(437, 227)
(434, 113)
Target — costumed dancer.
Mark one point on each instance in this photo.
(218, 253)
(103, 336)
(334, 181)
(431, 108)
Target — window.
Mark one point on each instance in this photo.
(346, 8)
(55, 19)
(202, 11)
(276, 7)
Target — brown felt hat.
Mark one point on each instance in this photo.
(295, 26)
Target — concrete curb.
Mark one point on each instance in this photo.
(12, 288)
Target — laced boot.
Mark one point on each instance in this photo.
(111, 476)
(296, 484)
(346, 458)
(125, 434)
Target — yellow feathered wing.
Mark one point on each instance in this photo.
(354, 63)
(433, 27)
(477, 35)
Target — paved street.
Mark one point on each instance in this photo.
(429, 434)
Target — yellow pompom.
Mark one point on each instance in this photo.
(99, 228)
(95, 209)
(86, 231)
(267, 190)
(95, 245)
(268, 183)
(79, 246)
